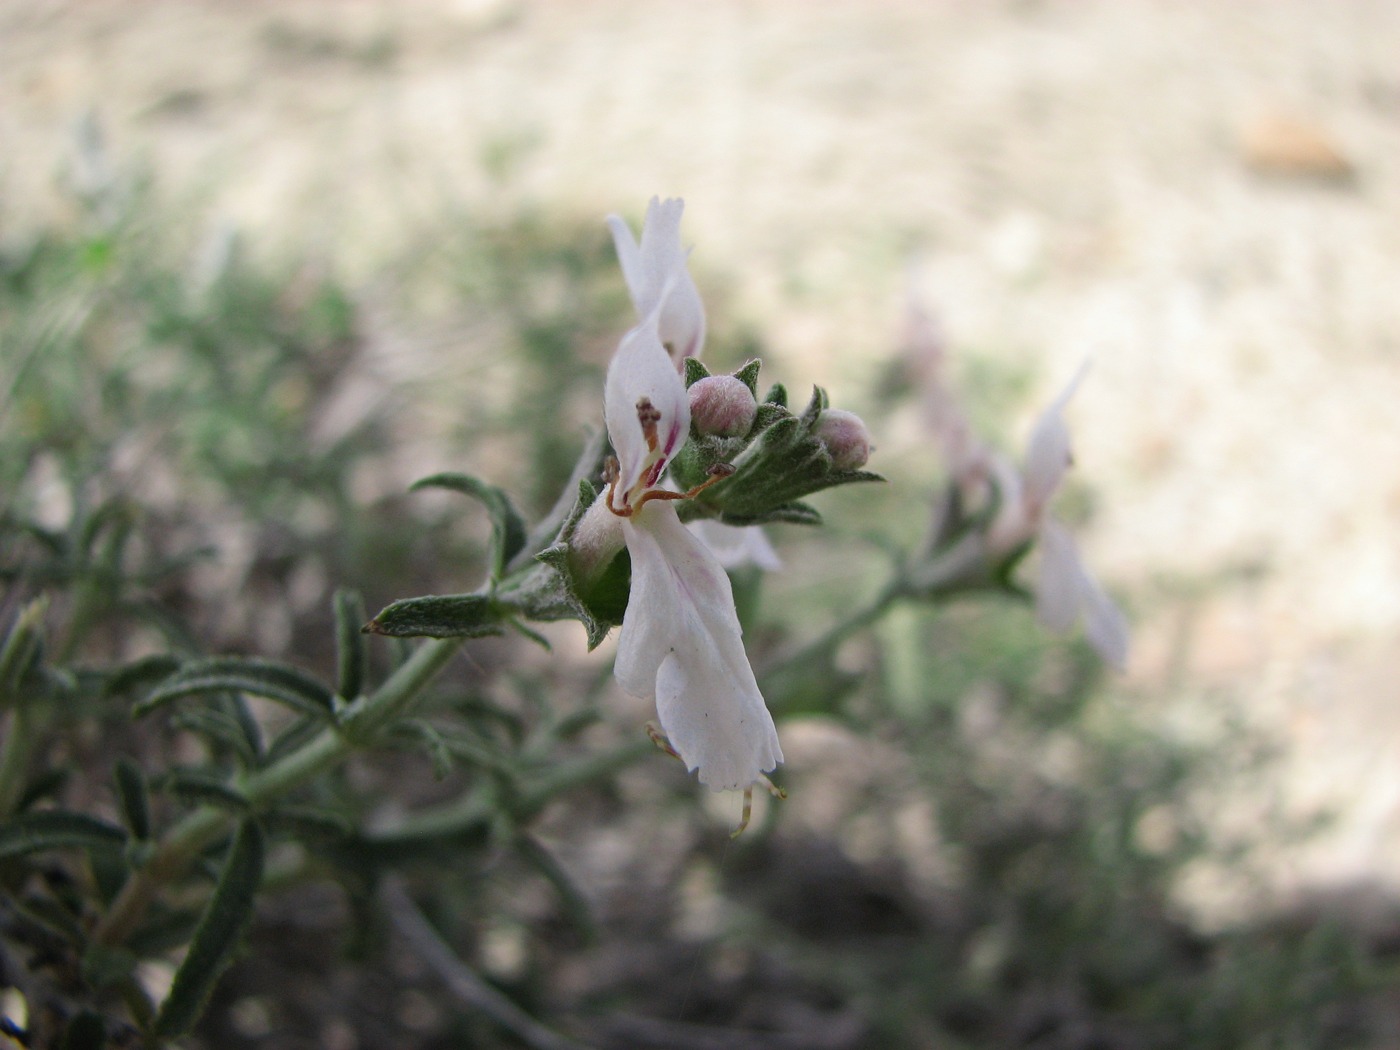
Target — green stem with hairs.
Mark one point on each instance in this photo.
(184, 842)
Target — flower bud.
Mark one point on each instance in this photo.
(722, 406)
(845, 437)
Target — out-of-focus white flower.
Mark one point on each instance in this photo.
(1066, 592)
(656, 275)
(737, 546)
(681, 642)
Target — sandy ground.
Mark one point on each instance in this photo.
(1204, 197)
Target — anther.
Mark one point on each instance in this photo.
(648, 415)
(658, 737)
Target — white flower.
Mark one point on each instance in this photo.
(737, 546)
(656, 275)
(680, 642)
(1066, 592)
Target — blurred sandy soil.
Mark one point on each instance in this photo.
(1204, 197)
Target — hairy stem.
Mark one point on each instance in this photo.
(182, 843)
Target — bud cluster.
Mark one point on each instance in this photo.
(779, 456)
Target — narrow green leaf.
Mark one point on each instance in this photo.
(296, 733)
(142, 673)
(796, 513)
(21, 648)
(508, 531)
(165, 930)
(58, 829)
(425, 735)
(203, 788)
(221, 729)
(132, 797)
(352, 656)
(217, 938)
(280, 682)
(240, 714)
(439, 616)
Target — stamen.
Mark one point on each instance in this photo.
(746, 814)
(718, 472)
(611, 472)
(648, 415)
(773, 788)
(659, 739)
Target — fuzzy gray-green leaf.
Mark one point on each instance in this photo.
(132, 795)
(58, 829)
(439, 616)
(219, 933)
(280, 682)
(352, 656)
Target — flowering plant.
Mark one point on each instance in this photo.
(679, 488)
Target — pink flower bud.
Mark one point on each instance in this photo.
(845, 437)
(722, 405)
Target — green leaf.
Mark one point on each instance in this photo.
(217, 938)
(787, 513)
(58, 829)
(22, 646)
(142, 673)
(204, 788)
(694, 371)
(223, 730)
(352, 656)
(132, 797)
(748, 375)
(507, 526)
(425, 735)
(439, 616)
(280, 682)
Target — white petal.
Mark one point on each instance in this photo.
(1066, 590)
(658, 262)
(1012, 525)
(1106, 627)
(1048, 450)
(642, 370)
(1057, 596)
(737, 546)
(681, 643)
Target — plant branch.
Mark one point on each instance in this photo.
(182, 843)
